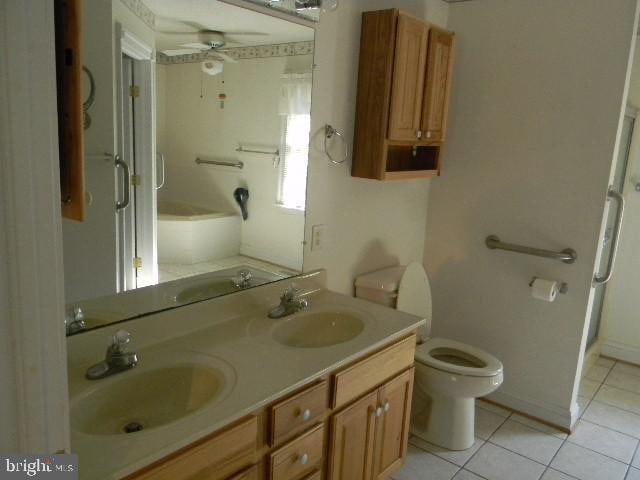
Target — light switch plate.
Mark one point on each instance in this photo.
(317, 237)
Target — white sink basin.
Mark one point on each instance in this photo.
(318, 329)
(139, 400)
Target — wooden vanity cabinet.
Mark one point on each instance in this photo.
(225, 455)
(352, 424)
(369, 438)
(404, 84)
(392, 427)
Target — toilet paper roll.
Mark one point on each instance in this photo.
(546, 290)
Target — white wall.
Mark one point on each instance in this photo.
(537, 100)
(369, 224)
(619, 330)
(190, 126)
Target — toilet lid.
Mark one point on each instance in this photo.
(414, 295)
(458, 358)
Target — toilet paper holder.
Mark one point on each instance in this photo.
(563, 288)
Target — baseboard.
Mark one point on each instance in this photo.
(620, 351)
(555, 415)
(591, 356)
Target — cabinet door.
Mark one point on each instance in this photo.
(352, 441)
(392, 427)
(407, 87)
(438, 85)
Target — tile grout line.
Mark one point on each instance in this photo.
(586, 448)
(632, 458)
(485, 441)
(548, 467)
(593, 399)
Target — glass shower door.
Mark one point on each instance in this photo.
(618, 185)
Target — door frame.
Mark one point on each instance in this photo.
(137, 224)
(34, 411)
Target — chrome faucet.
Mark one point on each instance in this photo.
(243, 280)
(290, 302)
(74, 321)
(117, 360)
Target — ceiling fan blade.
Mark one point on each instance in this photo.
(224, 56)
(256, 34)
(196, 46)
(179, 51)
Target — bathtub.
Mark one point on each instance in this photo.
(189, 234)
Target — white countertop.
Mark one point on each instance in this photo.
(234, 331)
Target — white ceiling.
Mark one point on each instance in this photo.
(186, 15)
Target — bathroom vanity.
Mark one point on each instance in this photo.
(224, 392)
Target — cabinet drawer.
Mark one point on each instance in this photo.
(367, 374)
(300, 411)
(317, 475)
(248, 474)
(302, 455)
(213, 459)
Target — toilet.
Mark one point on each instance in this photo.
(449, 375)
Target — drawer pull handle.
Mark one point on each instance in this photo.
(306, 415)
(304, 459)
(387, 407)
(379, 412)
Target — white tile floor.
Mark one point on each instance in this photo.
(603, 446)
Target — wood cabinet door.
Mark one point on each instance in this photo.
(352, 441)
(407, 86)
(392, 427)
(438, 85)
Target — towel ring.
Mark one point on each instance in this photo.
(88, 103)
(329, 132)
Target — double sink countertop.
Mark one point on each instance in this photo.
(231, 335)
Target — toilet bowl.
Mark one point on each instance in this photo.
(449, 375)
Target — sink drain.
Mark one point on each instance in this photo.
(132, 427)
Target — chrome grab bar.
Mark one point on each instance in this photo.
(616, 237)
(261, 152)
(121, 205)
(237, 164)
(161, 156)
(568, 255)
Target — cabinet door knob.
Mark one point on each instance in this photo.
(379, 412)
(387, 407)
(419, 134)
(306, 414)
(304, 459)
(428, 134)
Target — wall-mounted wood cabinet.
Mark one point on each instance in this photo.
(404, 85)
(68, 19)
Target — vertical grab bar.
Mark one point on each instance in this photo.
(161, 156)
(616, 237)
(121, 205)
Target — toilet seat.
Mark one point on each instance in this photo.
(486, 365)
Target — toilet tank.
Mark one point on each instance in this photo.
(380, 286)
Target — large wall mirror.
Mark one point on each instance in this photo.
(196, 148)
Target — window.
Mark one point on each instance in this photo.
(295, 108)
(293, 163)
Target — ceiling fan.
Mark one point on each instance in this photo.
(212, 42)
